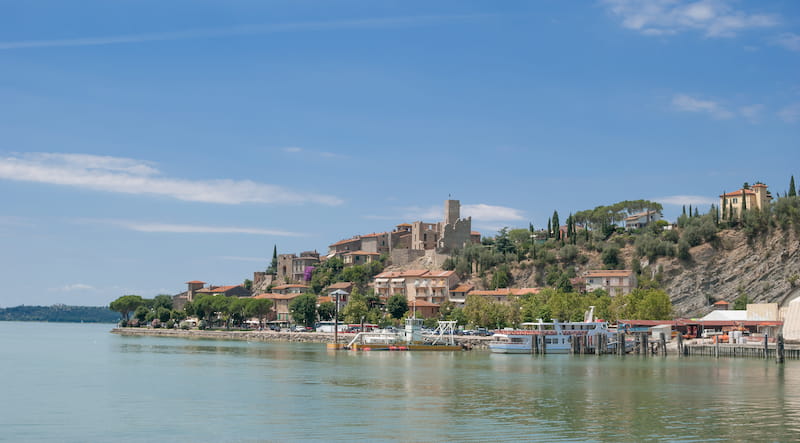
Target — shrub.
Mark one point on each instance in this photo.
(568, 253)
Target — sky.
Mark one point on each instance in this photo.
(144, 144)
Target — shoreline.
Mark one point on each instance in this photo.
(476, 343)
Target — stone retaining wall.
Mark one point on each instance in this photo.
(272, 336)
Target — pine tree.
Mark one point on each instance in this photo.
(792, 190)
(696, 213)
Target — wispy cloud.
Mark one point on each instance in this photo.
(678, 200)
(73, 287)
(789, 40)
(484, 212)
(130, 176)
(685, 103)
(307, 152)
(244, 30)
(187, 229)
(752, 112)
(714, 18)
(791, 113)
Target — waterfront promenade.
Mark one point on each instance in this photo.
(472, 342)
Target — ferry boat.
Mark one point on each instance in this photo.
(557, 335)
(408, 339)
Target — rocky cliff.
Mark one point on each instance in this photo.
(766, 269)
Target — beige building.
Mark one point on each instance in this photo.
(504, 295)
(280, 305)
(615, 282)
(431, 286)
(754, 197)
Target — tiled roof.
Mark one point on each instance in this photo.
(404, 224)
(439, 274)
(373, 235)
(270, 296)
(341, 285)
(218, 289)
(462, 288)
(738, 193)
(608, 273)
(506, 292)
(323, 299)
(342, 242)
(196, 281)
(475, 233)
(361, 253)
(721, 302)
(640, 214)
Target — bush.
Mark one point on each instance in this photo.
(683, 250)
(185, 325)
(170, 324)
(568, 253)
(610, 257)
(123, 323)
(202, 324)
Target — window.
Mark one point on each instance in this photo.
(735, 201)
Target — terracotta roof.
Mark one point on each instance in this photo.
(217, 289)
(323, 299)
(738, 193)
(721, 302)
(759, 185)
(439, 274)
(196, 281)
(506, 292)
(423, 304)
(462, 288)
(349, 240)
(474, 233)
(270, 296)
(608, 273)
(373, 235)
(404, 224)
(291, 286)
(341, 285)
(361, 253)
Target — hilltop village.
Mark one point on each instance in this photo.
(624, 258)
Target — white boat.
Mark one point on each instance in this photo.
(556, 335)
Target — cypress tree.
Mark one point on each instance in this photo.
(684, 209)
(696, 213)
(724, 206)
(549, 228)
(792, 190)
(556, 226)
(744, 202)
(690, 211)
(274, 265)
(730, 210)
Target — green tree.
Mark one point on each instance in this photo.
(248, 284)
(501, 277)
(556, 226)
(163, 314)
(355, 309)
(304, 309)
(397, 305)
(326, 310)
(162, 301)
(610, 257)
(741, 301)
(792, 189)
(260, 308)
(273, 266)
(125, 305)
(141, 313)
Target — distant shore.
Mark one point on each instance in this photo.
(271, 336)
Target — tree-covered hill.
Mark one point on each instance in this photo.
(60, 313)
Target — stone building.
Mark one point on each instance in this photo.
(292, 268)
(753, 197)
(615, 282)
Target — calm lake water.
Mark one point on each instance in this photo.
(78, 382)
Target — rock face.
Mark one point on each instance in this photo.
(763, 269)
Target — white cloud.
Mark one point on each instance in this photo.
(243, 30)
(752, 112)
(293, 149)
(683, 102)
(73, 287)
(130, 176)
(678, 200)
(189, 229)
(791, 113)
(484, 212)
(715, 18)
(789, 40)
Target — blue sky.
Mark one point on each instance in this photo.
(147, 143)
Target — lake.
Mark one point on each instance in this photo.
(78, 382)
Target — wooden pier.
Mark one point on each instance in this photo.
(641, 343)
